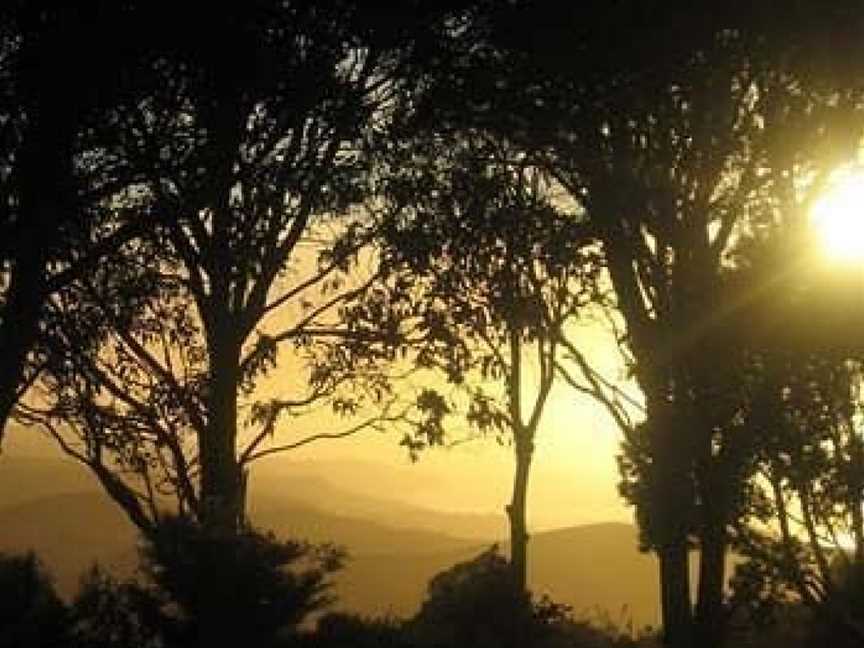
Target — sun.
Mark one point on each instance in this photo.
(838, 216)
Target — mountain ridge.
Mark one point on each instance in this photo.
(391, 556)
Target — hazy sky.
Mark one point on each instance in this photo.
(573, 479)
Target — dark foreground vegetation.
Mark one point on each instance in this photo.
(276, 593)
(216, 221)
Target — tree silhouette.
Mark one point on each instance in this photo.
(109, 614)
(482, 281)
(671, 176)
(250, 178)
(803, 530)
(678, 149)
(60, 94)
(473, 603)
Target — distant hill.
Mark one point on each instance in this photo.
(72, 531)
(595, 568)
(25, 479)
(588, 567)
(395, 548)
(315, 491)
(69, 533)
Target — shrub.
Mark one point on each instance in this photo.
(248, 587)
(31, 612)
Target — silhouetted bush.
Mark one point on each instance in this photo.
(475, 603)
(31, 612)
(472, 603)
(248, 587)
(108, 613)
(344, 630)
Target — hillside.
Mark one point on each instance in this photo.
(596, 569)
(395, 548)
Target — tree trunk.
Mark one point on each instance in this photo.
(675, 596)
(43, 173)
(669, 510)
(19, 324)
(710, 613)
(516, 513)
(221, 485)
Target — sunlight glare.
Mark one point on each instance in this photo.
(839, 217)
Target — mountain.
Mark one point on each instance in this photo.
(593, 567)
(69, 533)
(596, 569)
(302, 484)
(395, 548)
(308, 489)
(26, 479)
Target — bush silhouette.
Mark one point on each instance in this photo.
(111, 614)
(353, 631)
(31, 612)
(248, 587)
(473, 603)
(477, 603)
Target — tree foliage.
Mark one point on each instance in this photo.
(253, 183)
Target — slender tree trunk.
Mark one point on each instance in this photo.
(675, 595)
(516, 513)
(710, 611)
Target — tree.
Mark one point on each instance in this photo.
(673, 176)
(262, 589)
(481, 281)
(242, 173)
(109, 614)
(473, 603)
(803, 532)
(59, 91)
(676, 149)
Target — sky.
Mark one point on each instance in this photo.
(573, 478)
(574, 474)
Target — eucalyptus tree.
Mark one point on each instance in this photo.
(674, 169)
(255, 167)
(683, 137)
(59, 92)
(483, 277)
(801, 533)
(675, 183)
